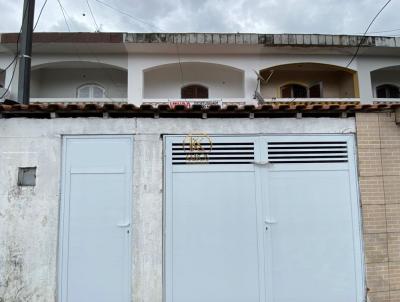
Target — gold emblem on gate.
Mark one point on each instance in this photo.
(197, 147)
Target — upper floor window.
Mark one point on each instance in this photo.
(194, 92)
(294, 91)
(387, 91)
(91, 91)
(300, 91)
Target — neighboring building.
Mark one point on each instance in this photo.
(123, 184)
(137, 68)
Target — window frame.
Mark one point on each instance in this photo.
(196, 85)
(290, 85)
(91, 90)
(306, 87)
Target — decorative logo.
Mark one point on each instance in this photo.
(196, 148)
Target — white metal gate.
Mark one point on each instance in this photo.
(95, 216)
(263, 218)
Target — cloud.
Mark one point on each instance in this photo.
(272, 16)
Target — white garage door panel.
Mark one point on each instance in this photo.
(262, 219)
(312, 244)
(97, 247)
(215, 251)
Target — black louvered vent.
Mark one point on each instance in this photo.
(212, 153)
(307, 152)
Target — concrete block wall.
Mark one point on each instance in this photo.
(378, 139)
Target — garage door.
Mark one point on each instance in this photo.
(272, 219)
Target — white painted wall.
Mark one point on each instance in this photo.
(166, 81)
(137, 63)
(29, 216)
(64, 82)
(365, 65)
(246, 62)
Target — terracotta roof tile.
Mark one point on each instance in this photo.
(44, 110)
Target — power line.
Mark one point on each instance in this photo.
(18, 37)
(40, 14)
(129, 15)
(94, 19)
(14, 60)
(381, 31)
(366, 31)
(11, 80)
(148, 24)
(63, 13)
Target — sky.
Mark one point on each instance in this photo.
(244, 16)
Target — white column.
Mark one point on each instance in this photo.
(365, 85)
(250, 84)
(135, 82)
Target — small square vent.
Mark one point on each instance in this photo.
(27, 176)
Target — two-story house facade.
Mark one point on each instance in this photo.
(201, 167)
(137, 68)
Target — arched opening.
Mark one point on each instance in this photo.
(194, 92)
(78, 80)
(167, 81)
(386, 82)
(308, 80)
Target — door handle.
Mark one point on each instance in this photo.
(268, 223)
(123, 225)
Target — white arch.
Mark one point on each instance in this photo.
(166, 65)
(78, 64)
(165, 81)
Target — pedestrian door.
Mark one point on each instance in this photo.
(263, 218)
(95, 219)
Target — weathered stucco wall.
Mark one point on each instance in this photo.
(29, 216)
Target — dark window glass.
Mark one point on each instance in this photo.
(387, 91)
(286, 92)
(299, 91)
(194, 92)
(315, 91)
(294, 91)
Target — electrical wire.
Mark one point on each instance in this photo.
(129, 15)
(63, 13)
(152, 26)
(379, 32)
(11, 80)
(366, 31)
(14, 60)
(40, 14)
(132, 17)
(18, 37)
(93, 18)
